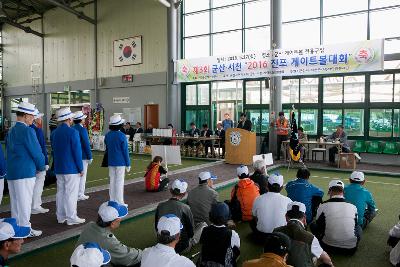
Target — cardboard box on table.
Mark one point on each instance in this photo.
(240, 146)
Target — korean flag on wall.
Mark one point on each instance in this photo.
(128, 51)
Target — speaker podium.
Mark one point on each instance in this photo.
(240, 146)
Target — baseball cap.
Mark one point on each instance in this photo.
(277, 243)
(275, 178)
(296, 205)
(90, 254)
(335, 183)
(10, 229)
(242, 169)
(357, 176)
(220, 210)
(180, 185)
(206, 175)
(111, 210)
(170, 223)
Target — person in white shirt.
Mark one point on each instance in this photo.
(336, 222)
(163, 254)
(269, 209)
(394, 238)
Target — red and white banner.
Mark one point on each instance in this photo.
(128, 51)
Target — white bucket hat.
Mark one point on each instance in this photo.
(116, 120)
(38, 114)
(27, 108)
(79, 115)
(64, 114)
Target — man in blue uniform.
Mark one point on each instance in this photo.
(79, 120)
(40, 176)
(67, 166)
(24, 160)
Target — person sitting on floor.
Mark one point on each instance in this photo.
(305, 246)
(393, 242)
(152, 178)
(270, 208)
(163, 254)
(276, 249)
(11, 238)
(356, 194)
(303, 191)
(90, 254)
(220, 245)
(243, 195)
(200, 200)
(109, 218)
(260, 176)
(175, 206)
(336, 222)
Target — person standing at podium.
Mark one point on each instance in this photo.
(282, 131)
(244, 123)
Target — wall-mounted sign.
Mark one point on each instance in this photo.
(127, 78)
(121, 100)
(128, 51)
(340, 58)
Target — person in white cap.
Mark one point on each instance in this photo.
(169, 229)
(101, 232)
(90, 254)
(180, 209)
(260, 176)
(40, 176)
(305, 246)
(118, 158)
(356, 194)
(394, 243)
(24, 160)
(269, 209)
(336, 222)
(68, 167)
(79, 120)
(11, 238)
(244, 193)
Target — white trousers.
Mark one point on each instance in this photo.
(1, 189)
(117, 177)
(21, 192)
(38, 190)
(67, 196)
(82, 181)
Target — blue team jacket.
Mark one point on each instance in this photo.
(117, 148)
(2, 164)
(67, 150)
(24, 155)
(360, 197)
(301, 190)
(42, 142)
(85, 144)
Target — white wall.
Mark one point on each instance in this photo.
(69, 42)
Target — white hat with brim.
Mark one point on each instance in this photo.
(181, 185)
(38, 114)
(335, 183)
(275, 179)
(296, 205)
(90, 254)
(26, 108)
(10, 229)
(170, 223)
(79, 115)
(116, 120)
(203, 176)
(357, 176)
(64, 114)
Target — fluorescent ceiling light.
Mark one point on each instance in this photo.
(165, 3)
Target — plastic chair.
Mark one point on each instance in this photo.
(390, 148)
(360, 146)
(374, 147)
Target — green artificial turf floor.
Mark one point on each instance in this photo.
(373, 251)
(99, 176)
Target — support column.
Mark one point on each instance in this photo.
(43, 91)
(276, 82)
(95, 78)
(173, 105)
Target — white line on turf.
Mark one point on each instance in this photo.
(372, 182)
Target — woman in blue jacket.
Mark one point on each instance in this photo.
(118, 158)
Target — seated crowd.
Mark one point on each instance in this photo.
(297, 230)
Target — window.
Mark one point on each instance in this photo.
(396, 123)
(265, 93)
(300, 34)
(295, 9)
(227, 43)
(257, 13)
(290, 91)
(231, 90)
(225, 19)
(255, 117)
(392, 46)
(354, 122)
(197, 94)
(333, 90)
(354, 89)
(287, 115)
(335, 31)
(309, 90)
(197, 47)
(379, 26)
(257, 39)
(332, 7)
(393, 64)
(253, 92)
(381, 89)
(218, 3)
(195, 5)
(198, 117)
(397, 88)
(309, 121)
(196, 24)
(331, 119)
(380, 123)
(383, 3)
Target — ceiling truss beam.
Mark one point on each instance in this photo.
(79, 14)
